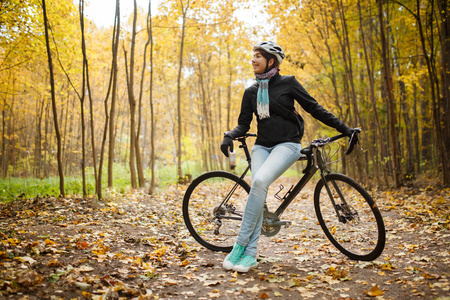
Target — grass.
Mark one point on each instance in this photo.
(14, 187)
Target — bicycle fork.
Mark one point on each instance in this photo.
(338, 208)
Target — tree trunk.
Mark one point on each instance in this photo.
(132, 103)
(141, 91)
(83, 93)
(445, 87)
(390, 97)
(46, 148)
(152, 113)
(180, 68)
(132, 100)
(205, 119)
(4, 146)
(38, 145)
(112, 112)
(55, 116)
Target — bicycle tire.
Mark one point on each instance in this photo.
(200, 200)
(360, 234)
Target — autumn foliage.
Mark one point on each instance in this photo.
(179, 84)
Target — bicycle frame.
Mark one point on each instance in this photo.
(315, 163)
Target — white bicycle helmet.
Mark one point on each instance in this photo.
(272, 48)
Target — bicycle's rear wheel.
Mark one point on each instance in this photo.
(202, 210)
(359, 232)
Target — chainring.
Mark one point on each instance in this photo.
(267, 228)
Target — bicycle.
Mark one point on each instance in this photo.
(213, 206)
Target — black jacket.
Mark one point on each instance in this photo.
(276, 129)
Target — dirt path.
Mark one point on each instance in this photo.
(137, 247)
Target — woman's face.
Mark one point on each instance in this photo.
(259, 62)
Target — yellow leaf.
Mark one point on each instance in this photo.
(185, 262)
(440, 200)
(374, 291)
(53, 263)
(137, 261)
(214, 294)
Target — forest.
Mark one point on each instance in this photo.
(103, 127)
(147, 100)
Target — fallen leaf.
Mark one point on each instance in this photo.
(49, 242)
(85, 268)
(374, 291)
(170, 281)
(82, 285)
(26, 259)
(82, 245)
(211, 282)
(214, 294)
(29, 278)
(54, 263)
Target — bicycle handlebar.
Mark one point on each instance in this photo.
(351, 144)
(322, 142)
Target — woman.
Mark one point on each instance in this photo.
(277, 146)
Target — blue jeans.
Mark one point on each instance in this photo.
(267, 165)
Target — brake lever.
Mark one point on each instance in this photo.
(353, 141)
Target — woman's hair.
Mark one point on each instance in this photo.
(268, 56)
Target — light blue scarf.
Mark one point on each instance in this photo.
(262, 97)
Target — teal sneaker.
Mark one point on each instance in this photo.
(246, 263)
(233, 257)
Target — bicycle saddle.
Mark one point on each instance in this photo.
(306, 151)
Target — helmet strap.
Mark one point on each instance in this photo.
(267, 65)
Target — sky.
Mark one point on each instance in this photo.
(102, 12)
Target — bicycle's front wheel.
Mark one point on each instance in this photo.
(350, 218)
(213, 206)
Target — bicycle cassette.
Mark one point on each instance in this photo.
(271, 224)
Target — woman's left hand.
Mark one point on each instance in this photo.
(227, 143)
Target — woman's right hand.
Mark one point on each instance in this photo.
(227, 143)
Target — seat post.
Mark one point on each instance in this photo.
(244, 146)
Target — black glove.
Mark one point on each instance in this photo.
(348, 131)
(227, 142)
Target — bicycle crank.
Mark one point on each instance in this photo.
(272, 224)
